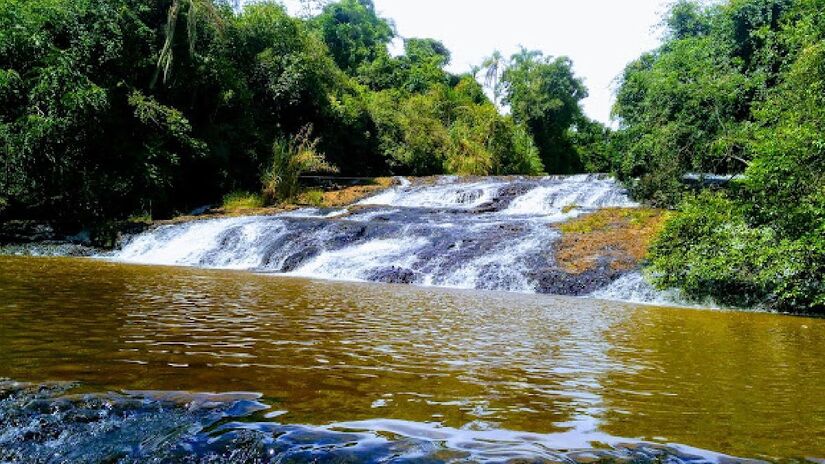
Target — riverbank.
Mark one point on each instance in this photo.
(54, 238)
(563, 235)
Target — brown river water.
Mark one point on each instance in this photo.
(577, 371)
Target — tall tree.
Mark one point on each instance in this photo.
(493, 67)
(194, 10)
(354, 33)
(544, 94)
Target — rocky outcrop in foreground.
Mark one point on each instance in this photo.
(49, 423)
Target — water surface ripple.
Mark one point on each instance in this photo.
(465, 370)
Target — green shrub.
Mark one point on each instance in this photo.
(239, 201)
(314, 197)
(710, 250)
(143, 218)
(291, 159)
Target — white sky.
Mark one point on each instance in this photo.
(600, 36)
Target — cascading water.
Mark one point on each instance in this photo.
(490, 233)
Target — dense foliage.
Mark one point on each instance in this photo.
(89, 129)
(117, 107)
(544, 95)
(111, 108)
(289, 161)
(736, 88)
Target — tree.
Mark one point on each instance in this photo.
(354, 33)
(493, 67)
(594, 144)
(736, 88)
(686, 19)
(194, 11)
(687, 106)
(423, 61)
(544, 94)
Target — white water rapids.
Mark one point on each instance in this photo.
(490, 233)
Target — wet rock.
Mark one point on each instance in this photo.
(393, 275)
(555, 281)
(505, 196)
(200, 211)
(132, 227)
(45, 424)
(43, 238)
(303, 255)
(26, 232)
(48, 249)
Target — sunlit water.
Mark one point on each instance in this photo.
(509, 375)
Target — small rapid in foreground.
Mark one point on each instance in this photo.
(484, 233)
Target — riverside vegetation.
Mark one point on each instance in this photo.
(119, 108)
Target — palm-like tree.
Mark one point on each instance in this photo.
(195, 9)
(493, 67)
(310, 8)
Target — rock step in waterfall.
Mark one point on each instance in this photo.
(484, 233)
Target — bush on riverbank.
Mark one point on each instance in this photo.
(710, 250)
(736, 88)
(240, 201)
(292, 159)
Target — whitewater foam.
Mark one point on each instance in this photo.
(491, 233)
(569, 196)
(447, 192)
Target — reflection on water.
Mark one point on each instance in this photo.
(578, 372)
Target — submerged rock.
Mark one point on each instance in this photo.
(556, 281)
(46, 423)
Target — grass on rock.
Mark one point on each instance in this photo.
(620, 235)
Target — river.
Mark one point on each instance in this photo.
(487, 375)
(431, 322)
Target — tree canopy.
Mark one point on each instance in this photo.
(737, 88)
(544, 94)
(110, 108)
(119, 107)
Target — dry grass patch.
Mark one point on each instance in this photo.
(251, 204)
(345, 196)
(619, 235)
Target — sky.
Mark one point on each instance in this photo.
(600, 36)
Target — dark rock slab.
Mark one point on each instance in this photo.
(42, 424)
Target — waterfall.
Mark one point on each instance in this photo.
(485, 233)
